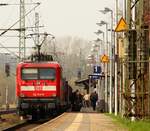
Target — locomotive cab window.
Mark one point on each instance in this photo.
(29, 74)
(38, 73)
(47, 73)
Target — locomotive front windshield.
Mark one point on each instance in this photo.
(38, 74)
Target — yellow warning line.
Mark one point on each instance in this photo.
(55, 119)
(76, 123)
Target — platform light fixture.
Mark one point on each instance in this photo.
(105, 11)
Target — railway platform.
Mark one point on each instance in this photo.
(80, 121)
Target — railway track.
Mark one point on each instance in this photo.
(14, 110)
(27, 124)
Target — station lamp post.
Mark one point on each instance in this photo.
(100, 45)
(97, 40)
(105, 66)
(107, 10)
(98, 33)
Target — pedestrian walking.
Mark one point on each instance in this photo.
(76, 101)
(94, 98)
(86, 100)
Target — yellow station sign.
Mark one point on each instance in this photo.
(121, 26)
(104, 59)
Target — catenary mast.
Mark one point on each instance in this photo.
(22, 49)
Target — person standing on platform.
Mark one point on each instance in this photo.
(86, 100)
(73, 100)
(94, 98)
(76, 101)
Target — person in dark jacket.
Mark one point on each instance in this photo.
(94, 98)
(76, 101)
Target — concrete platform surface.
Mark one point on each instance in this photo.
(80, 122)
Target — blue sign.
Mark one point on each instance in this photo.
(95, 77)
(97, 70)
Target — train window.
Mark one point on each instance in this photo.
(47, 73)
(29, 74)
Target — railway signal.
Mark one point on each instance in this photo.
(7, 69)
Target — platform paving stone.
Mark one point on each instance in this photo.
(81, 122)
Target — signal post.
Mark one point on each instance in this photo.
(105, 59)
(7, 72)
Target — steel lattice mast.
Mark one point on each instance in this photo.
(22, 49)
(37, 28)
(136, 69)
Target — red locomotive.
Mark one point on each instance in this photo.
(41, 89)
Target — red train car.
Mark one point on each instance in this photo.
(40, 88)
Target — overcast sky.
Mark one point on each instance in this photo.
(60, 17)
(74, 17)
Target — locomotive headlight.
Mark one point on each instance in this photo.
(45, 83)
(54, 95)
(22, 95)
(23, 82)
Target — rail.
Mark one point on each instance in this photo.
(13, 110)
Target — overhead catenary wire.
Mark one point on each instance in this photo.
(8, 18)
(13, 26)
(19, 19)
(8, 50)
(5, 4)
(31, 30)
